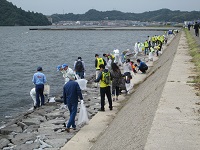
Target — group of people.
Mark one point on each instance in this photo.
(196, 27)
(106, 74)
(109, 76)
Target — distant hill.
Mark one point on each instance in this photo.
(12, 16)
(162, 15)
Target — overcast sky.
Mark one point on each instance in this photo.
(49, 7)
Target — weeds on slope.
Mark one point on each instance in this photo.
(195, 53)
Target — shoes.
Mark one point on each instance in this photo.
(74, 128)
(116, 98)
(111, 108)
(67, 129)
(113, 99)
(34, 107)
(101, 109)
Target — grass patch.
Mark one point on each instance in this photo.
(194, 50)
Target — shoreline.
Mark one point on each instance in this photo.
(46, 123)
(55, 28)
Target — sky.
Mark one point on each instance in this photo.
(49, 7)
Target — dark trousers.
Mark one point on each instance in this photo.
(115, 89)
(80, 74)
(73, 110)
(105, 91)
(39, 89)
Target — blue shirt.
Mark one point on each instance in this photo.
(39, 78)
(142, 65)
(71, 92)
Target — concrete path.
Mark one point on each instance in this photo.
(160, 114)
(176, 123)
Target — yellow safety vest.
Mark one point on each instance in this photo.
(99, 62)
(146, 44)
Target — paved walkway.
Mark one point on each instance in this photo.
(176, 123)
(160, 114)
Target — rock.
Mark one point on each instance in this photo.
(54, 115)
(3, 143)
(40, 118)
(56, 143)
(23, 138)
(32, 128)
(22, 125)
(27, 146)
(31, 121)
(11, 128)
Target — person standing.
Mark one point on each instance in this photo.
(98, 61)
(67, 72)
(136, 49)
(71, 93)
(104, 87)
(146, 47)
(196, 28)
(79, 67)
(116, 80)
(39, 79)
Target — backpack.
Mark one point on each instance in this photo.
(107, 78)
(79, 66)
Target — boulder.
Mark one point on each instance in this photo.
(12, 128)
(23, 138)
(3, 143)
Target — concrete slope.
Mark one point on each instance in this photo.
(176, 123)
(130, 128)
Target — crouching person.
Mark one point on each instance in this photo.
(142, 66)
(71, 93)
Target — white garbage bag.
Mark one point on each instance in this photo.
(129, 86)
(151, 56)
(82, 83)
(83, 115)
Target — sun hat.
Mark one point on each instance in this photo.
(64, 65)
(59, 67)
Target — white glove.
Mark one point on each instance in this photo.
(82, 102)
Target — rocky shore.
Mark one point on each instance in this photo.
(43, 128)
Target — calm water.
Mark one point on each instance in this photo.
(22, 51)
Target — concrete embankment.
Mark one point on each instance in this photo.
(130, 129)
(160, 114)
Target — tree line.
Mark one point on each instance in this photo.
(13, 16)
(162, 15)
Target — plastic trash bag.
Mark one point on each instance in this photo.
(82, 83)
(129, 86)
(83, 115)
(52, 100)
(151, 56)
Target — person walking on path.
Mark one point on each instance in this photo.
(103, 77)
(116, 80)
(196, 28)
(79, 67)
(98, 61)
(71, 93)
(39, 79)
(142, 66)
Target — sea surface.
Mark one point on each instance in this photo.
(23, 50)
